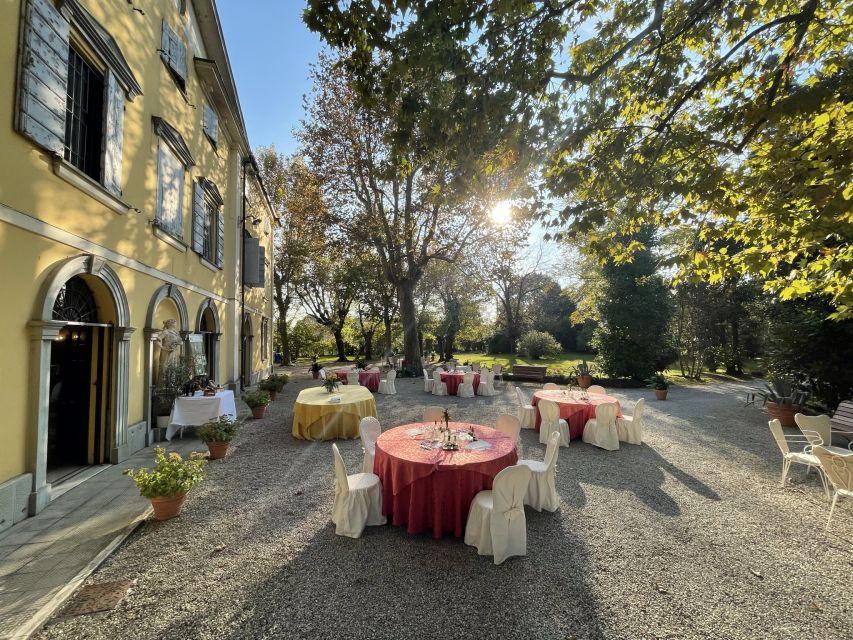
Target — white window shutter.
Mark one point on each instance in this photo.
(173, 51)
(180, 56)
(198, 218)
(220, 238)
(113, 134)
(262, 266)
(170, 188)
(44, 75)
(210, 123)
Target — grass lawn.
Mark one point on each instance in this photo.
(562, 363)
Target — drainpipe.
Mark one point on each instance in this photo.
(246, 162)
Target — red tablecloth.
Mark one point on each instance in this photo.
(573, 409)
(369, 379)
(453, 380)
(433, 489)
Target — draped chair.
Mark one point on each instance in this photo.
(427, 382)
(439, 388)
(526, 411)
(542, 490)
(630, 428)
(466, 389)
(597, 388)
(352, 378)
(358, 500)
(600, 431)
(551, 422)
(369, 431)
(387, 386)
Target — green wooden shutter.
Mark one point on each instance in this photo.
(43, 75)
(199, 206)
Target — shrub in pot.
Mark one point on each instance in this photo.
(583, 375)
(660, 384)
(270, 386)
(782, 400)
(166, 485)
(217, 434)
(257, 401)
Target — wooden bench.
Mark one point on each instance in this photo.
(528, 372)
(842, 420)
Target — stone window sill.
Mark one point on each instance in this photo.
(169, 239)
(209, 264)
(72, 175)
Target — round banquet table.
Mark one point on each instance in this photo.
(316, 418)
(573, 408)
(369, 379)
(453, 380)
(431, 488)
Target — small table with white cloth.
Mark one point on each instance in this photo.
(193, 411)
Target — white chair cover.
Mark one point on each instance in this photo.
(510, 426)
(369, 431)
(550, 386)
(439, 388)
(542, 490)
(487, 383)
(466, 389)
(358, 500)
(322, 374)
(427, 382)
(526, 411)
(387, 386)
(497, 369)
(600, 431)
(433, 414)
(597, 388)
(551, 422)
(352, 377)
(630, 428)
(496, 523)
(839, 469)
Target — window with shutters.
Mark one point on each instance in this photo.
(265, 337)
(170, 189)
(84, 115)
(210, 125)
(173, 52)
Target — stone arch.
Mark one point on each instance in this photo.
(174, 294)
(43, 331)
(208, 303)
(211, 338)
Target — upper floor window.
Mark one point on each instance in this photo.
(84, 115)
(173, 51)
(210, 124)
(208, 222)
(173, 160)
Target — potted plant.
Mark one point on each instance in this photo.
(331, 383)
(659, 383)
(315, 368)
(270, 386)
(257, 401)
(216, 434)
(166, 485)
(583, 375)
(783, 400)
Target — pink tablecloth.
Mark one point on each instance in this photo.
(433, 489)
(369, 379)
(573, 409)
(453, 380)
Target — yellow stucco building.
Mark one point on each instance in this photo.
(128, 197)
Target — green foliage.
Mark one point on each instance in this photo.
(634, 310)
(223, 429)
(269, 385)
(658, 382)
(782, 392)
(537, 344)
(550, 310)
(255, 399)
(170, 476)
(281, 378)
(583, 369)
(170, 385)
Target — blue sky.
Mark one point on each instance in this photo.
(270, 50)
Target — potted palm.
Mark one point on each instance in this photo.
(166, 485)
(257, 401)
(782, 400)
(583, 375)
(660, 384)
(217, 434)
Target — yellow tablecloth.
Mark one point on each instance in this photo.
(315, 418)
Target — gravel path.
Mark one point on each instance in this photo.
(687, 536)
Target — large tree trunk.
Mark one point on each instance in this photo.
(339, 343)
(449, 340)
(409, 318)
(386, 320)
(368, 344)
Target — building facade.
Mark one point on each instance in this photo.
(130, 203)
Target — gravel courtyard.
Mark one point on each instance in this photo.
(686, 536)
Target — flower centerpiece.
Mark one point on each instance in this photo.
(166, 485)
(331, 383)
(217, 434)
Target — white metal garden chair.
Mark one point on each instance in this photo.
(496, 524)
(803, 454)
(551, 422)
(387, 386)
(630, 428)
(818, 431)
(600, 431)
(358, 500)
(542, 490)
(439, 388)
(526, 411)
(838, 467)
(466, 389)
(369, 431)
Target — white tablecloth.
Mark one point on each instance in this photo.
(192, 411)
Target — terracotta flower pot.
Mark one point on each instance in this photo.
(217, 449)
(258, 412)
(660, 394)
(166, 508)
(584, 382)
(784, 413)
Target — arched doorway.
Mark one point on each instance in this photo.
(246, 349)
(80, 352)
(207, 324)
